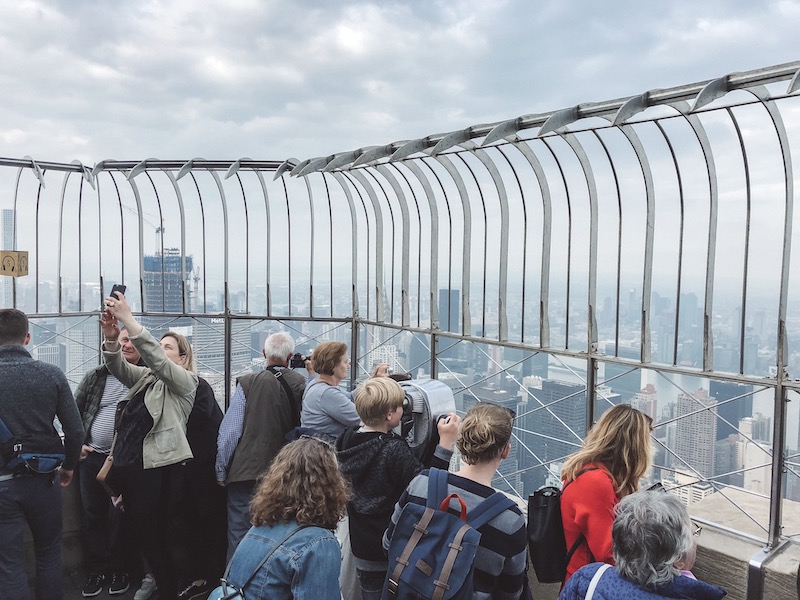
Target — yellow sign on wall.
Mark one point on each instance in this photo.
(14, 263)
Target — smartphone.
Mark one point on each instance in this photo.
(118, 288)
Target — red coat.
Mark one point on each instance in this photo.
(587, 506)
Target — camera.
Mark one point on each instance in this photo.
(298, 361)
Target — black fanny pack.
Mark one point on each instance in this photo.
(18, 461)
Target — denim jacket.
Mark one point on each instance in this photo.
(305, 567)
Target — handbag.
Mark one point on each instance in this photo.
(228, 591)
(104, 476)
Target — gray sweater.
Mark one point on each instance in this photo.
(32, 394)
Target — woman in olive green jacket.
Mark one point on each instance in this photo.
(150, 445)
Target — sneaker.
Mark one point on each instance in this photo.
(148, 587)
(119, 583)
(94, 585)
(195, 590)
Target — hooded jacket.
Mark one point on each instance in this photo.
(378, 466)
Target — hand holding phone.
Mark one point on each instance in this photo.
(118, 287)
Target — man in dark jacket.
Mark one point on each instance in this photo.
(108, 538)
(32, 394)
(264, 408)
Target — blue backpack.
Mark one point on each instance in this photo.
(432, 552)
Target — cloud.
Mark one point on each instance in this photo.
(308, 78)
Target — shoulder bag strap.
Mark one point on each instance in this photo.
(581, 538)
(286, 388)
(266, 557)
(595, 580)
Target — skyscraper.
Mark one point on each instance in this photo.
(509, 477)
(167, 279)
(449, 315)
(554, 431)
(731, 411)
(695, 430)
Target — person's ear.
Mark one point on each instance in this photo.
(27, 339)
(506, 451)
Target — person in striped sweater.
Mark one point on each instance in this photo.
(484, 441)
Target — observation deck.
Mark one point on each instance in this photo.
(637, 250)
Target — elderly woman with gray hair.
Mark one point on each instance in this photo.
(652, 537)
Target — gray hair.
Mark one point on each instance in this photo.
(278, 347)
(651, 531)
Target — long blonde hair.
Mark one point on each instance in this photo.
(619, 442)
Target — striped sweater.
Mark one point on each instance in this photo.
(501, 559)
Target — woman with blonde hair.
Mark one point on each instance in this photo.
(615, 455)
(294, 510)
(150, 444)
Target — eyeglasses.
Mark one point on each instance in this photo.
(696, 529)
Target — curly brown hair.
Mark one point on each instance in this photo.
(302, 483)
(326, 356)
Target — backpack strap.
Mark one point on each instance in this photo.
(487, 510)
(437, 488)
(442, 584)
(420, 529)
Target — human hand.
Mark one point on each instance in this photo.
(65, 476)
(118, 306)
(85, 450)
(309, 366)
(108, 323)
(382, 370)
(117, 502)
(448, 426)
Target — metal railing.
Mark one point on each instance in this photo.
(635, 250)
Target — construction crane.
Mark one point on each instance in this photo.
(158, 230)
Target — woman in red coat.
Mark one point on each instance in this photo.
(615, 455)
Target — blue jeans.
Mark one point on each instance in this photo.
(239, 495)
(35, 500)
(371, 583)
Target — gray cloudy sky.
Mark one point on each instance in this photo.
(90, 80)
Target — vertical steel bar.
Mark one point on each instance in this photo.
(405, 250)
(380, 292)
(547, 238)
(466, 316)
(502, 197)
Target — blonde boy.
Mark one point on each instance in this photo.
(379, 465)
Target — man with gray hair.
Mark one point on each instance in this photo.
(264, 407)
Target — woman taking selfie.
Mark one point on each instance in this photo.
(615, 455)
(150, 441)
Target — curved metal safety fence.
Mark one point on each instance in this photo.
(637, 250)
